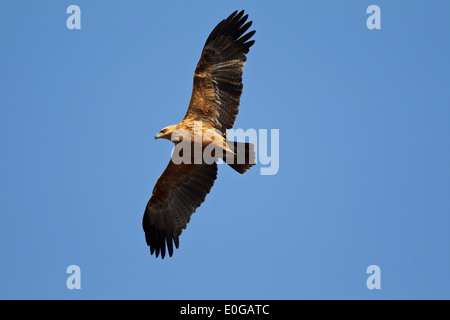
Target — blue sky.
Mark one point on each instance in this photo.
(364, 175)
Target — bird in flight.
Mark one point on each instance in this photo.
(213, 108)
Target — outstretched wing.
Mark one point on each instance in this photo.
(218, 77)
(179, 191)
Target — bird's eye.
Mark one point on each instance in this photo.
(163, 131)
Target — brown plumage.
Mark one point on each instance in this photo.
(215, 100)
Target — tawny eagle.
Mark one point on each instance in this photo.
(215, 100)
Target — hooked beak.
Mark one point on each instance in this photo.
(158, 135)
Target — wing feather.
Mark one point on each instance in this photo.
(218, 76)
(179, 191)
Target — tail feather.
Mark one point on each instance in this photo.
(244, 156)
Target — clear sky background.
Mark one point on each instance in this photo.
(364, 175)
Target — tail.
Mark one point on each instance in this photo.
(244, 156)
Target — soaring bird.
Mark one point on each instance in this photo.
(213, 108)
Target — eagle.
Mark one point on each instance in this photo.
(213, 108)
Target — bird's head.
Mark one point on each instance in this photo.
(166, 133)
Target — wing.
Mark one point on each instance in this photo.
(179, 191)
(218, 77)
